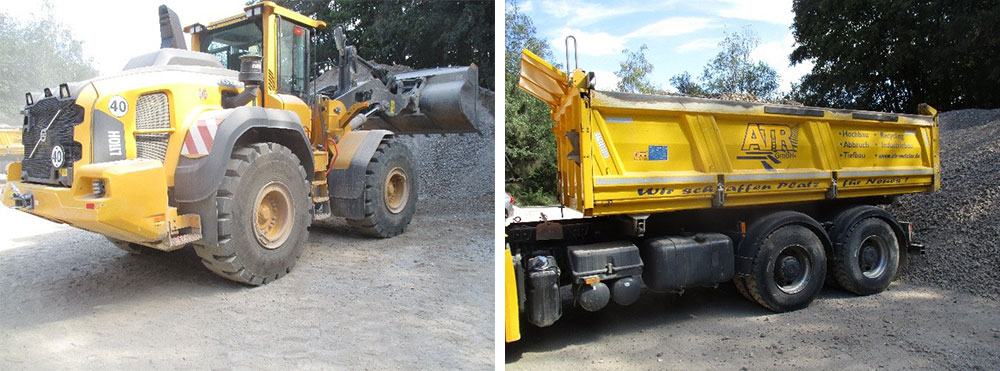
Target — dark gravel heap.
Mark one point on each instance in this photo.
(457, 166)
(455, 171)
(960, 224)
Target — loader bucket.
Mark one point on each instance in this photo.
(434, 101)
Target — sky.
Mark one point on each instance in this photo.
(114, 31)
(682, 35)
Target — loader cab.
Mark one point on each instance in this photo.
(281, 36)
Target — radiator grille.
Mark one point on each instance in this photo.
(57, 118)
(152, 112)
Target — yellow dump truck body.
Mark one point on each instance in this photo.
(622, 153)
(10, 142)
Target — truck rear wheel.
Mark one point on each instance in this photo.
(741, 287)
(390, 193)
(263, 211)
(867, 256)
(788, 270)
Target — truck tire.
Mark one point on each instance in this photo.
(788, 270)
(263, 211)
(741, 287)
(390, 193)
(865, 257)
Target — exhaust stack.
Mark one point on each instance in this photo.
(170, 30)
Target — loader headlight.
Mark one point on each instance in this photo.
(99, 188)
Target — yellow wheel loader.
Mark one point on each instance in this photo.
(229, 146)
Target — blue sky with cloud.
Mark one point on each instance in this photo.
(681, 35)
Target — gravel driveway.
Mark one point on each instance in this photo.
(906, 327)
(422, 300)
(943, 312)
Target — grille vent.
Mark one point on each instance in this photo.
(152, 112)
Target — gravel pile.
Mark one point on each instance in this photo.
(457, 166)
(737, 97)
(960, 223)
(455, 171)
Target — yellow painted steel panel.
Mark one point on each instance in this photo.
(512, 325)
(622, 153)
(133, 208)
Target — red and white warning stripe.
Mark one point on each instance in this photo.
(200, 137)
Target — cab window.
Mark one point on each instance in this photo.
(230, 43)
(292, 57)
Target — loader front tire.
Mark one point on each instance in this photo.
(263, 211)
(390, 194)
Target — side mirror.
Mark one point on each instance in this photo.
(338, 38)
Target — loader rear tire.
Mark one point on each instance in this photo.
(390, 193)
(263, 210)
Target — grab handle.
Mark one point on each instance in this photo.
(576, 60)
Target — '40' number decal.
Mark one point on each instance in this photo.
(118, 106)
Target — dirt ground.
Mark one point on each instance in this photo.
(906, 327)
(422, 300)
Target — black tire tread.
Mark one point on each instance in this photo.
(741, 287)
(370, 225)
(751, 280)
(840, 273)
(221, 258)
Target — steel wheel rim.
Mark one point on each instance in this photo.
(272, 215)
(396, 190)
(873, 256)
(788, 279)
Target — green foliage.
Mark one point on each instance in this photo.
(530, 146)
(34, 55)
(733, 71)
(633, 73)
(893, 55)
(415, 33)
(686, 85)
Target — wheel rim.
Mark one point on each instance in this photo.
(272, 215)
(792, 269)
(873, 256)
(396, 190)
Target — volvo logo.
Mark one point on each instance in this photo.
(57, 156)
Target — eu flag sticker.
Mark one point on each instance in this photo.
(658, 153)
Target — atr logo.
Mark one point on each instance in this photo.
(769, 143)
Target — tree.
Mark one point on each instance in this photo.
(529, 145)
(685, 85)
(893, 55)
(633, 73)
(415, 33)
(30, 62)
(733, 71)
